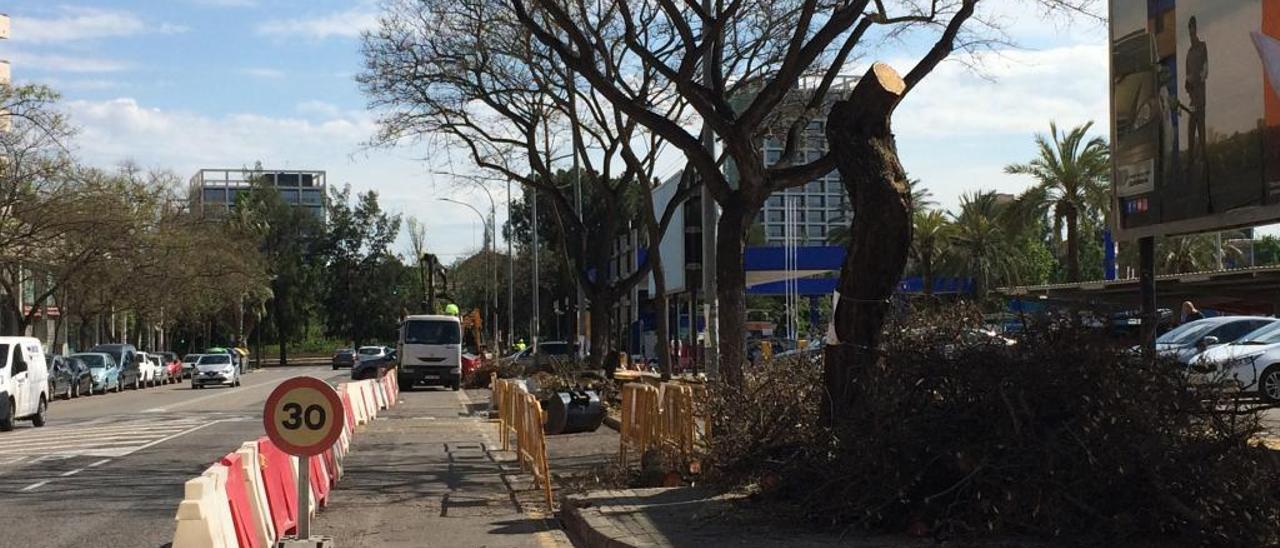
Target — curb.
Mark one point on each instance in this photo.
(579, 529)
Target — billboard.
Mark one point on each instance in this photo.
(1195, 114)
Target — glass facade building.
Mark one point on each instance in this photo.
(216, 190)
(817, 206)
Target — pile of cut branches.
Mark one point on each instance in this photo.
(1057, 432)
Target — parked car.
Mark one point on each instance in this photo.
(68, 377)
(373, 368)
(104, 372)
(123, 354)
(371, 352)
(1188, 340)
(547, 353)
(147, 369)
(1251, 364)
(24, 381)
(189, 364)
(344, 357)
(161, 369)
(172, 365)
(215, 369)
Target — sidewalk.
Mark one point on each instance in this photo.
(424, 474)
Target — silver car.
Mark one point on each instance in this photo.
(215, 370)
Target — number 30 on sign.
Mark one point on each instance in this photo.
(303, 416)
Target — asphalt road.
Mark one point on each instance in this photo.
(108, 470)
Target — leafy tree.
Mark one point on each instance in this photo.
(1266, 250)
(292, 243)
(982, 244)
(931, 240)
(362, 278)
(1072, 181)
(1196, 252)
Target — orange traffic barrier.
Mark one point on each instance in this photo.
(520, 414)
(664, 418)
(640, 420)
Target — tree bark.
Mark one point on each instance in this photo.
(1073, 244)
(661, 325)
(858, 130)
(731, 288)
(926, 273)
(600, 307)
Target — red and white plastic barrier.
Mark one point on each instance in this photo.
(248, 499)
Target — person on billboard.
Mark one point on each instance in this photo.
(1196, 85)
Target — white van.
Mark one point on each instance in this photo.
(430, 351)
(24, 382)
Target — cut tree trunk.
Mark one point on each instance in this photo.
(858, 131)
(600, 308)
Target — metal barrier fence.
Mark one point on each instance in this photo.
(664, 418)
(520, 413)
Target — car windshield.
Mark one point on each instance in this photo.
(192, 358)
(1269, 334)
(94, 361)
(370, 350)
(215, 359)
(432, 332)
(343, 351)
(1187, 333)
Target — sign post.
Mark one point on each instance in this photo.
(304, 417)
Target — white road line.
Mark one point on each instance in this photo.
(35, 485)
(219, 394)
(179, 434)
(96, 464)
(71, 472)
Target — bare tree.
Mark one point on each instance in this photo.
(752, 68)
(465, 73)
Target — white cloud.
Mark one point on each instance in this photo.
(317, 108)
(344, 24)
(1021, 92)
(76, 23)
(124, 129)
(265, 73)
(53, 62)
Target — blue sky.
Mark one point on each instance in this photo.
(186, 84)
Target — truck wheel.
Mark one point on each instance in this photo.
(39, 419)
(6, 423)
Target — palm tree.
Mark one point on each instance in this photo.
(981, 242)
(1196, 252)
(1072, 179)
(931, 232)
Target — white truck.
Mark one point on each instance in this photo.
(24, 382)
(430, 351)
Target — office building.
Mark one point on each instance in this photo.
(216, 190)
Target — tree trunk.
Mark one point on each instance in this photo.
(282, 331)
(926, 273)
(1073, 244)
(600, 308)
(661, 324)
(731, 288)
(858, 130)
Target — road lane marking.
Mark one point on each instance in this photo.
(69, 473)
(34, 486)
(96, 464)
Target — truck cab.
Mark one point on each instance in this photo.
(430, 351)
(24, 382)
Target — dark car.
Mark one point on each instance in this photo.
(68, 377)
(124, 355)
(373, 368)
(548, 353)
(344, 357)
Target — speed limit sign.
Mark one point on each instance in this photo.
(304, 416)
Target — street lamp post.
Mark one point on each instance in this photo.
(493, 269)
(493, 289)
